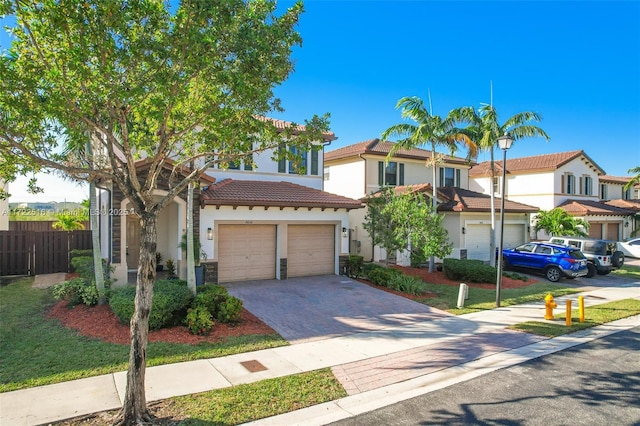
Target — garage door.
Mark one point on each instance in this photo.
(595, 230)
(311, 250)
(246, 252)
(477, 241)
(513, 235)
(613, 231)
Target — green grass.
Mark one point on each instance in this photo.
(244, 403)
(627, 271)
(483, 299)
(36, 351)
(594, 315)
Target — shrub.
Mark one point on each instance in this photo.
(199, 320)
(83, 265)
(170, 301)
(77, 291)
(418, 258)
(382, 276)
(368, 267)
(229, 310)
(355, 266)
(210, 296)
(81, 253)
(470, 270)
(407, 284)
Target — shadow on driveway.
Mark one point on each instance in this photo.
(322, 307)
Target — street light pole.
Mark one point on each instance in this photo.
(504, 142)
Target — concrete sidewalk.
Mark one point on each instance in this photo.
(430, 354)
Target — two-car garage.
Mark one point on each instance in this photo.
(254, 251)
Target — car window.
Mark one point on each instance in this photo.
(635, 243)
(526, 247)
(543, 250)
(574, 243)
(576, 254)
(598, 247)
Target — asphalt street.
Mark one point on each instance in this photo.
(597, 383)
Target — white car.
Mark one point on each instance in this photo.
(630, 248)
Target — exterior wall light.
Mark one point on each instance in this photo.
(209, 234)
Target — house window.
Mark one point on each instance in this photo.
(603, 191)
(391, 174)
(449, 177)
(314, 162)
(588, 185)
(571, 184)
(234, 165)
(298, 167)
(626, 195)
(496, 182)
(282, 162)
(326, 173)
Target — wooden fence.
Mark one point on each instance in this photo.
(33, 253)
(37, 225)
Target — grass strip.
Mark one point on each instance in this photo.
(483, 299)
(244, 403)
(36, 351)
(594, 315)
(627, 271)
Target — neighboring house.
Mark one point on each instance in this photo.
(262, 222)
(570, 180)
(361, 169)
(612, 188)
(4, 208)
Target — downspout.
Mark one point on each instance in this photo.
(364, 191)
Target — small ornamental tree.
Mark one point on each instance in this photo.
(185, 86)
(380, 223)
(558, 222)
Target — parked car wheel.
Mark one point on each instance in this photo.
(592, 270)
(604, 272)
(505, 264)
(553, 274)
(617, 259)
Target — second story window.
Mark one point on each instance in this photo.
(496, 182)
(298, 166)
(588, 185)
(626, 195)
(392, 174)
(326, 173)
(450, 177)
(569, 184)
(603, 191)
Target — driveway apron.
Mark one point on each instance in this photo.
(322, 307)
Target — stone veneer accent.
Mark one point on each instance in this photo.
(343, 264)
(283, 269)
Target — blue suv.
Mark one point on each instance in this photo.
(556, 261)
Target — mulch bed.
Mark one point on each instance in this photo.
(439, 277)
(100, 322)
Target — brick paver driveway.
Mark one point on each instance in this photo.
(314, 308)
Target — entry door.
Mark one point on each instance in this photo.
(133, 241)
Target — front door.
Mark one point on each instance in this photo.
(133, 241)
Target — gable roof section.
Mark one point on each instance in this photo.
(382, 148)
(620, 180)
(251, 193)
(282, 125)
(592, 208)
(536, 163)
(462, 200)
(170, 165)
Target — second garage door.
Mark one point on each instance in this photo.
(311, 250)
(246, 252)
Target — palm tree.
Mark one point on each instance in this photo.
(429, 129)
(558, 222)
(484, 129)
(635, 180)
(68, 222)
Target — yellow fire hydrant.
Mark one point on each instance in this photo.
(549, 304)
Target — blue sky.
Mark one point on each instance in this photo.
(577, 63)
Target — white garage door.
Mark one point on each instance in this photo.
(311, 250)
(246, 252)
(477, 241)
(513, 235)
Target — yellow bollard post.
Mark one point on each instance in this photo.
(581, 307)
(568, 313)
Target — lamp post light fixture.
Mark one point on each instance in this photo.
(504, 142)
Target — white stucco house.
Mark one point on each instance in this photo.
(569, 180)
(361, 169)
(266, 221)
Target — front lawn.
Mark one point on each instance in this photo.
(627, 271)
(36, 350)
(594, 315)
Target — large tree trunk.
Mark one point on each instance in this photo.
(191, 266)
(95, 238)
(134, 410)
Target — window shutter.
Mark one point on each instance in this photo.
(314, 162)
(441, 177)
(562, 188)
(380, 173)
(581, 189)
(282, 163)
(401, 174)
(457, 178)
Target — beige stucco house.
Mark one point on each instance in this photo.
(570, 180)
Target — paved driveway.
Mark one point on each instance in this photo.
(314, 308)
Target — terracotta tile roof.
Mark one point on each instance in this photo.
(462, 200)
(229, 192)
(536, 163)
(382, 148)
(282, 125)
(622, 180)
(169, 165)
(590, 208)
(625, 204)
